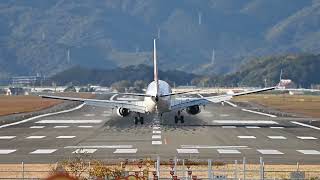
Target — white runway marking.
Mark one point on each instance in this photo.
(212, 147)
(100, 147)
(125, 151)
(247, 137)
(84, 151)
(41, 116)
(305, 125)
(58, 127)
(309, 152)
(156, 132)
(156, 142)
(188, 151)
(37, 127)
(69, 122)
(269, 151)
(85, 126)
(260, 113)
(307, 137)
(65, 137)
(277, 137)
(43, 151)
(243, 122)
(7, 151)
(229, 127)
(7, 137)
(228, 151)
(277, 127)
(156, 136)
(156, 128)
(252, 127)
(224, 115)
(35, 137)
(231, 104)
(89, 115)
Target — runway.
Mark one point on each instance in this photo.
(220, 132)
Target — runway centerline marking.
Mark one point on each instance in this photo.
(156, 142)
(43, 151)
(7, 137)
(37, 127)
(187, 151)
(212, 147)
(244, 122)
(252, 127)
(269, 151)
(84, 151)
(100, 147)
(58, 127)
(125, 151)
(276, 127)
(260, 113)
(69, 122)
(85, 126)
(43, 115)
(65, 137)
(156, 136)
(7, 151)
(305, 125)
(229, 127)
(156, 132)
(228, 151)
(35, 137)
(309, 152)
(306, 137)
(277, 137)
(247, 137)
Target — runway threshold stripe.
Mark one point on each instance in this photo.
(37, 127)
(7, 137)
(84, 151)
(307, 137)
(277, 137)
(244, 122)
(228, 151)
(187, 151)
(309, 152)
(212, 147)
(35, 137)
(85, 126)
(156, 142)
(60, 127)
(229, 127)
(247, 137)
(100, 147)
(69, 122)
(7, 151)
(65, 137)
(269, 152)
(305, 125)
(43, 115)
(260, 113)
(43, 151)
(125, 151)
(252, 127)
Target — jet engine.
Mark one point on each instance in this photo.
(193, 110)
(123, 112)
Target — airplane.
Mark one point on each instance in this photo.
(158, 99)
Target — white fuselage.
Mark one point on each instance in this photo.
(163, 103)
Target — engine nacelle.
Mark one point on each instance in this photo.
(123, 112)
(193, 110)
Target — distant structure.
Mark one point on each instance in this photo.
(286, 84)
(19, 81)
(200, 18)
(213, 57)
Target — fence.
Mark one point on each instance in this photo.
(188, 169)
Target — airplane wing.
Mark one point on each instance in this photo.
(132, 106)
(182, 104)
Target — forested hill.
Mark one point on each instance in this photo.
(49, 36)
(83, 76)
(302, 69)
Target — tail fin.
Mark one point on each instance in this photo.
(156, 78)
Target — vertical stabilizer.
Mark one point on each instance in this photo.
(156, 78)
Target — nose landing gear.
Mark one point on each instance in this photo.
(178, 118)
(138, 119)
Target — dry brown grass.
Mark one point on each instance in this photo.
(23, 104)
(299, 104)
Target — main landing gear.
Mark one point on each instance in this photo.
(178, 118)
(138, 119)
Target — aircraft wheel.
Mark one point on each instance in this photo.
(182, 119)
(176, 119)
(135, 120)
(141, 120)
